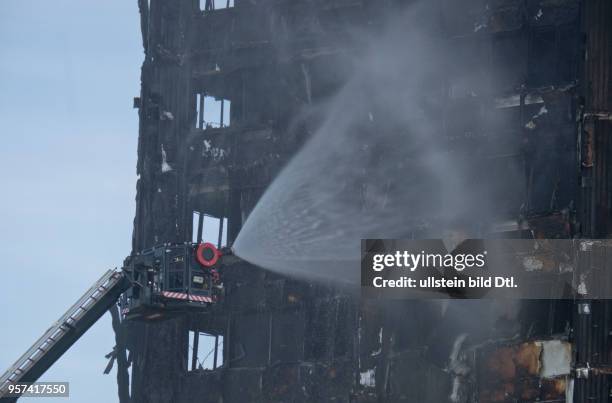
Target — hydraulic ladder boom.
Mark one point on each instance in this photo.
(65, 332)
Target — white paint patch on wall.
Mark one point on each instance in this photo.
(556, 358)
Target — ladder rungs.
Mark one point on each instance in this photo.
(38, 351)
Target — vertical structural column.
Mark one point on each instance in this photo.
(597, 126)
(591, 333)
(167, 112)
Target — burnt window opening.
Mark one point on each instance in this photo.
(544, 58)
(212, 112)
(205, 351)
(211, 5)
(208, 228)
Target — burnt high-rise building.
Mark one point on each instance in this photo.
(538, 102)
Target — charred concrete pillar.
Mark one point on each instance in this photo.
(592, 318)
(596, 118)
(166, 113)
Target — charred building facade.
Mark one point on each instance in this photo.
(258, 65)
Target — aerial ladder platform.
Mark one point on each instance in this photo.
(157, 283)
(65, 332)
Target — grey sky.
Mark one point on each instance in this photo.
(68, 72)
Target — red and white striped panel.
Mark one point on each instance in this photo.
(188, 297)
(200, 298)
(175, 295)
